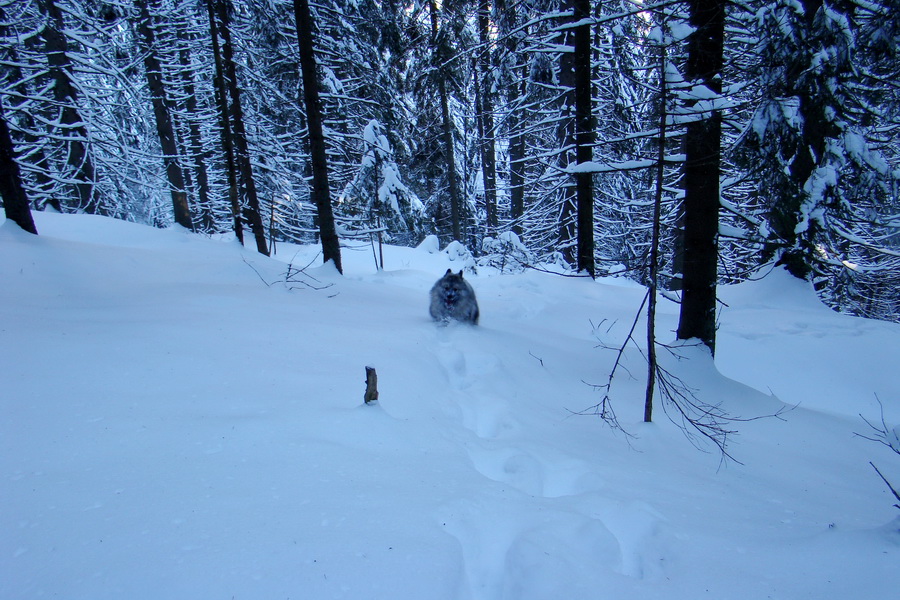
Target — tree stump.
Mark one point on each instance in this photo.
(371, 395)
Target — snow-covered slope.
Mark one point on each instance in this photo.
(179, 421)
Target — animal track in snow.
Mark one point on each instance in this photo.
(515, 553)
(510, 555)
(454, 364)
(526, 472)
(488, 417)
(478, 384)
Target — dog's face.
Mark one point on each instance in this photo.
(452, 286)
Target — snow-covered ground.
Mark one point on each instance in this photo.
(180, 422)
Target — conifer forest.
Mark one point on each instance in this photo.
(680, 143)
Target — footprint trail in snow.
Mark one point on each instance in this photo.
(505, 555)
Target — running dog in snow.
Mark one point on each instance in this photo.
(453, 298)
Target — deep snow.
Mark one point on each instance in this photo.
(181, 422)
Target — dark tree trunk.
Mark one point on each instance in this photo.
(450, 160)
(204, 208)
(38, 159)
(507, 15)
(584, 136)
(798, 249)
(576, 240)
(162, 112)
(567, 244)
(331, 247)
(250, 200)
(701, 177)
(516, 167)
(15, 202)
(486, 131)
(653, 287)
(447, 124)
(65, 95)
(225, 124)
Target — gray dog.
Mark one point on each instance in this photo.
(453, 298)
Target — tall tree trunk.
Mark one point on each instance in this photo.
(162, 112)
(655, 241)
(485, 108)
(450, 160)
(507, 15)
(195, 143)
(15, 201)
(447, 125)
(331, 247)
(584, 136)
(577, 132)
(567, 243)
(78, 157)
(250, 201)
(37, 157)
(516, 163)
(702, 148)
(797, 248)
(225, 124)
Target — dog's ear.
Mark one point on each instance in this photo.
(460, 273)
(448, 272)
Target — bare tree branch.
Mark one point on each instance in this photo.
(893, 491)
